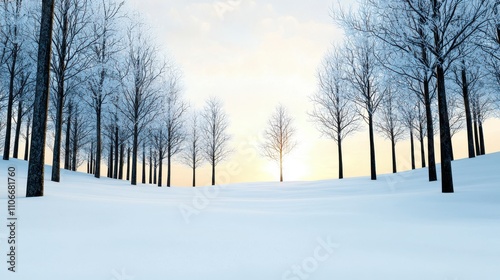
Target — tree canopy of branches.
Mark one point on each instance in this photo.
(333, 112)
(390, 125)
(141, 74)
(279, 137)
(71, 42)
(192, 152)
(214, 133)
(103, 56)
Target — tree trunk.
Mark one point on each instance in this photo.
(169, 163)
(150, 166)
(91, 157)
(68, 134)
(27, 144)
(115, 170)
(281, 166)
(444, 131)
(393, 151)
(194, 176)
(122, 152)
(154, 175)
(56, 155)
(128, 163)
(10, 103)
(412, 147)
(135, 144)
(34, 185)
(372, 148)
(341, 163)
(468, 118)
(476, 137)
(98, 155)
(160, 170)
(430, 133)
(75, 144)
(144, 162)
(481, 138)
(110, 164)
(15, 153)
(422, 149)
(213, 171)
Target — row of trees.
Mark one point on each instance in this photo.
(111, 91)
(402, 59)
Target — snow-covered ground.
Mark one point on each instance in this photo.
(399, 227)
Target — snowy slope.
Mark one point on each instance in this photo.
(400, 227)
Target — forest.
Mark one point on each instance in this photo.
(85, 81)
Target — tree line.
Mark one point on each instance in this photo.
(410, 69)
(84, 78)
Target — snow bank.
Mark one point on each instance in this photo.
(399, 227)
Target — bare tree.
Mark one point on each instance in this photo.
(409, 114)
(390, 125)
(456, 116)
(158, 142)
(191, 154)
(214, 133)
(16, 58)
(71, 40)
(37, 152)
(403, 34)
(451, 23)
(279, 137)
(481, 107)
(333, 112)
(103, 56)
(174, 119)
(141, 73)
(363, 76)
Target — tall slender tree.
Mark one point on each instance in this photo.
(214, 133)
(279, 137)
(71, 41)
(174, 118)
(363, 76)
(390, 125)
(191, 154)
(333, 112)
(104, 54)
(141, 73)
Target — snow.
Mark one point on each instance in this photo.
(399, 227)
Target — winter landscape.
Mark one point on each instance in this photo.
(400, 227)
(249, 139)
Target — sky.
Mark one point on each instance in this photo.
(255, 55)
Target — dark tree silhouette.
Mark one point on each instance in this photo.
(333, 112)
(362, 64)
